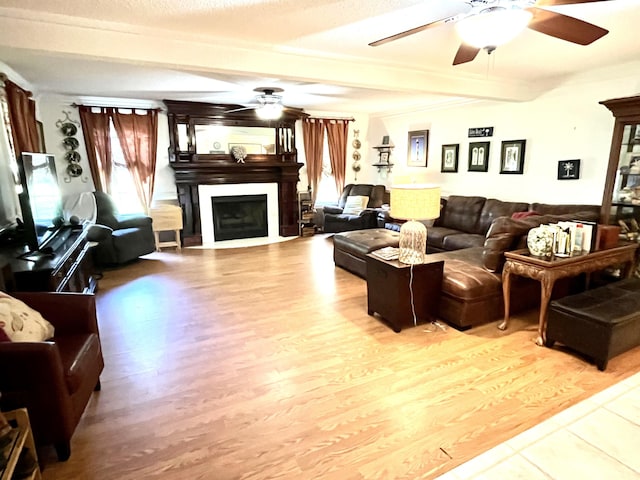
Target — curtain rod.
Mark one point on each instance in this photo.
(346, 119)
(121, 107)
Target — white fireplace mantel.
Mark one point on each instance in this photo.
(206, 192)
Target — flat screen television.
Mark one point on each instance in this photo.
(40, 200)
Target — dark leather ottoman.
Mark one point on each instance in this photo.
(599, 323)
(350, 248)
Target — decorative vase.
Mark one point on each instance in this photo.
(540, 241)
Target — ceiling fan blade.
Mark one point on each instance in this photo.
(564, 27)
(241, 109)
(466, 53)
(552, 3)
(421, 28)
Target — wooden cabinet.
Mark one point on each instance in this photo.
(621, 199)
(69, 268)
(397, 291)
(19, 439)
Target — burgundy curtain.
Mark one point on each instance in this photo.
(22, 115)
(313, 137)
(95, 129)
(337, 131)
(138, 135)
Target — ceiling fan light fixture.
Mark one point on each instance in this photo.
(494, 27)
(269, 111)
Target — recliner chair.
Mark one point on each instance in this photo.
(336, 221)
(54, 379)
(121, 238)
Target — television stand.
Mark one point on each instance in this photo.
(68, 268)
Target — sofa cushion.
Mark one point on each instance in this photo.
(376, 194)
(79, 354)
(464, 276)
(493, 209)
(22, 323)
(461, 213)
(553, 209)
(355, 204)
(436, 236)
(508, 233)
(463, 240)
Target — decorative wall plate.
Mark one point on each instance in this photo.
(72, 156)
(70, 143)
(356, 143)
(68, 129)
(356, 156)
(74, 169)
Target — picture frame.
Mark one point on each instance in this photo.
(418, 148)
(450, 157)
(512, 157)
(479, 156)
(568, 169)
(384, 157)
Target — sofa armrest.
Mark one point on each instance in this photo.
(133, 221)
(23, 362)
(331, 209)
(68, 312)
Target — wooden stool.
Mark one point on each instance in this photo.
(167, 218)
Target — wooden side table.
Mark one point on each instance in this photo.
(167, 218)
(548, 270)
(20, 438)
(389, 286)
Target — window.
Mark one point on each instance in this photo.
(327, 192)
(123, 190)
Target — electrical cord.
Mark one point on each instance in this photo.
(413, 306)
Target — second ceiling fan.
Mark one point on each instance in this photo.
(490, 23)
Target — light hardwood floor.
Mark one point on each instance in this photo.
(262, 363)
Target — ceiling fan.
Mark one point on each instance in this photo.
(490, 23)
(268, 105)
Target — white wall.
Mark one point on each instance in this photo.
(566, 123)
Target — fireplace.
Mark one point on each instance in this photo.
(239, 216)
(233, 203)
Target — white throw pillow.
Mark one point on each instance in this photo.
(355, 204)
(22, 323)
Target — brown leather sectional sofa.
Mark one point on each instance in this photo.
(471, 236)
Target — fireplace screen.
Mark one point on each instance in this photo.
(239, 216)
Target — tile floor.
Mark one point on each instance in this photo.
(595, 439)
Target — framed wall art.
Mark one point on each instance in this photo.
(418, 148)
(512, 157)
(450, 158)
(568, 169)
(479, 156)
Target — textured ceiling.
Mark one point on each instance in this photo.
(219, 51)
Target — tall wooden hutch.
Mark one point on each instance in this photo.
(202, 139)
(621, 199)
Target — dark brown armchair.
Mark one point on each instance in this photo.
(335, 220)
(54, 379)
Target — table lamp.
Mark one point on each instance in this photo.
(414, 202)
